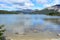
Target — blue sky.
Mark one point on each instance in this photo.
(26, 4)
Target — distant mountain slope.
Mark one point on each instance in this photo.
(23, 11)
(44, 11)
(8, 12)
(53, 10)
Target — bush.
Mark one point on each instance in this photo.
(1, 32)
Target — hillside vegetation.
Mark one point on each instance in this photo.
(8, 12)
(45, 12)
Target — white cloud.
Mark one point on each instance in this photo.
(27, 4)
(56, 2)
(48, 3)
(42, 1)
(19, 4)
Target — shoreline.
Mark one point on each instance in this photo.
(30, 37)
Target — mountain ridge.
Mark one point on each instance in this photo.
(55, 10)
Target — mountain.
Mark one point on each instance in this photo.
(55, 8)
(53, 11)
(26, 11)
(23, 11)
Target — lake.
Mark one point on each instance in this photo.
(21, 22)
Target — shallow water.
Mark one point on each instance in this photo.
(19, 23)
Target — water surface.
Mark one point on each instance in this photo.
(17, 23)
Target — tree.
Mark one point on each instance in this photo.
(54, 14)
(2, 30)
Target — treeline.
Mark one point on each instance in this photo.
(8, 12)
(54, 14)
(46, 12)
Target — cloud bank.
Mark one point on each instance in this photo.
(26, 4)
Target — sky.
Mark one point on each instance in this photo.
(26, 4)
